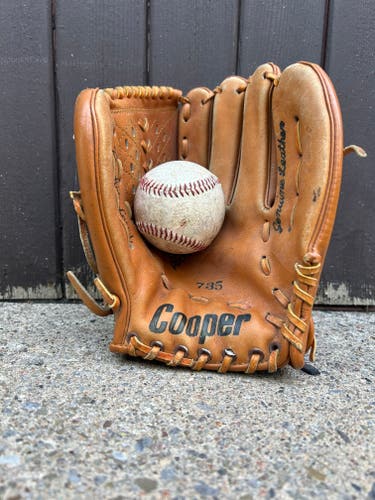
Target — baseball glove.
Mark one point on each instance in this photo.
(244, 303)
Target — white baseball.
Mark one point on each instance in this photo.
(179, 207)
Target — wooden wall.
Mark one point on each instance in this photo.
(50, 50)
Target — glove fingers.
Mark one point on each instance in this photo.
(309, 152)
(195, 126)
(255, 186)
(210, 128)
(226, 132)
(308, 129)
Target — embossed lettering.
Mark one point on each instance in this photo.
(242, 318)
(177, 323)
(208, 327)
(225, 324)
(196, 326)
(154, 327)
(193, 325)
(281, 169)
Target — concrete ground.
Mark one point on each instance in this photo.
(77, 421)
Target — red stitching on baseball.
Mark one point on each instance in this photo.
(169, 235)
(151, 186)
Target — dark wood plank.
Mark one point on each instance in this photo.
(349, 275)
(193, 43)
(280, 31)
(28, 257)
(98, 44)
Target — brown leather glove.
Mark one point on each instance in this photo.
(243, 304)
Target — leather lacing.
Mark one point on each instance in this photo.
(294, 328)
(298, 172)
(204, 355)
(135, 347)
(111, 301)
(280, 297)
(186, 112)
(156, 347)
(265, 265)
(217, 90)
(266, 231)
(273, 77)
(180, 352)
(153, 92)
(255, 357)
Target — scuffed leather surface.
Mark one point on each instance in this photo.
(277, 149)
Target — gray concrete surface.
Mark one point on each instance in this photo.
(80, 422)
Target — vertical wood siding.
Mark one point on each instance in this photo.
(30, 257)
(52, 49)
(349, 274)
(98, 44)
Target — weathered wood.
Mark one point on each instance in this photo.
(28, 253)
(349, 276)
(280, 31)
(193, 43)
(98, 44)
(184, 44)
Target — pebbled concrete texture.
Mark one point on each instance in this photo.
(77, 421)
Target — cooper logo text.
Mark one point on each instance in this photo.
(175, 322)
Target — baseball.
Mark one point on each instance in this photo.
(179, 207)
